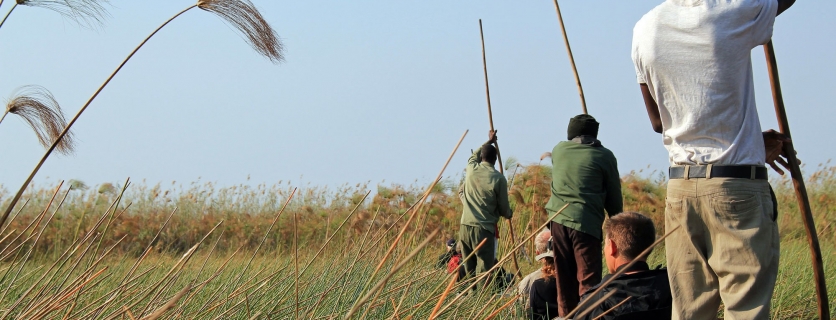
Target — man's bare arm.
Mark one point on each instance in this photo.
(783, 5)
(652, 109)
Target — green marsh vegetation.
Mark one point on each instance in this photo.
(202, 251)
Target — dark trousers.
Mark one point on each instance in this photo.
(485, 257)
(577, 257)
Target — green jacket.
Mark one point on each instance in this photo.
(484, 194)
(586, 177)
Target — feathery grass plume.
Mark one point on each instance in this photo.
(86, 13)
(240, 13)
(244, 16)
(37, 106)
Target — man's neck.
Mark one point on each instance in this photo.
(639, 266)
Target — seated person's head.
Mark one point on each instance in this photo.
(451, 244)
(546, 257)
(541, 241)
(488, 154)
(626, 236)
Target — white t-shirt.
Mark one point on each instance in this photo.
(695, 57)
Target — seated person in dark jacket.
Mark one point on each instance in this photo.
(542, 294)
(444, 258)
(626, 236)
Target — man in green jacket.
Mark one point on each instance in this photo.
(584, 176)
(484, 196)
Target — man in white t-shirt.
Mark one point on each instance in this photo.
(693, 64)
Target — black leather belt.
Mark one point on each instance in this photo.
(712, 171)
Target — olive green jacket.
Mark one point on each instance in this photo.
(585, 176)
(484, 194)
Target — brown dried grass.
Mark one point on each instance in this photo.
(87, 13)
(37, 106)
(244, 16)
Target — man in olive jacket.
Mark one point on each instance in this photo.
(584, 176)
(484, 196)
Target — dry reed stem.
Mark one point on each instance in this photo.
(17, 214)
(241, 290)
(400, 302)
(129, 285)
(212, 277)
(243, 15)
(168, 305)
(113, 213)
(350, 214)
(38, 107)
(503, 307)
(240, 13)
(136, 264)
(128, 312)
(81, 278)
(216, 274)
(613, 308)
(360, 252)
(296, 262)
(272, 224)
(153, 288)
(455, 276)
(180, 268)
(37, 237)
(597, 303)
(394, 270)
(383, 234)
(77, 243)
(415, 211)
(196, 288)
(623, 269)
(56, 304)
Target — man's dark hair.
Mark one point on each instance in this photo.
(632, 233)
(488, 153)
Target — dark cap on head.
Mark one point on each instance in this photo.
(582, 125)
(451, 242)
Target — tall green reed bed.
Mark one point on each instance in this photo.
(200, 251)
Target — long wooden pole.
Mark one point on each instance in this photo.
(571, 57)
(798, 184)
(498, 157)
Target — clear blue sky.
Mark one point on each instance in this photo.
(370, 91)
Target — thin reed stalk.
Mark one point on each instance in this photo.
(168, 305)
(455, 277)
(171, 281)
(597, 303)
(613, 308)
(394, 270)
(239, 13)
(415, 211)
(296, 263)
(350, 214)
(503, 307)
